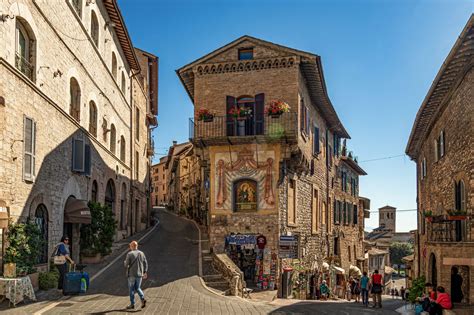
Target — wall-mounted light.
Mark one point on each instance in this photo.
(110, 24)
(57, 73)
(5, 17)
(89, 2)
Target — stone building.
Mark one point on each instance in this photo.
(74, 116)
(269, 177)
(174, 171)
(442, 145)
(159, 183)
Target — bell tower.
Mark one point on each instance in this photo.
(388, 218)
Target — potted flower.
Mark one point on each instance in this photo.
(240, 113)
(428, 215)
(276, 108)
(205, 115)
(457, 215)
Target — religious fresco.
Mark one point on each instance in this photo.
(247, 176)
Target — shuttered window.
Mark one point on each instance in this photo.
(87, 160)
(316, 148)
(315, 212)
(441, 144)
(29, 148)
(78, 161)
(355, 216)
(292, 201)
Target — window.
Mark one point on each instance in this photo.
(316, 148)
(75, 99)
(441, 144)
(349, 253)
(137, 163)
(24, 49)
(343, 181)
(344, 214)
(291, 201)
(315, 212)
(94, 29)
(110, 195)
(113, 138)
(137, 123)
(93, 118)
(41, 220)
(77, 4)
(81, 156)
(245, 53)
(423, 168)
(460, 196)
(114, 66)
(122, 149)
(304, 118)
(122, 207)
(94, 191)
(356, 215)
(29, 149)
(123, 86)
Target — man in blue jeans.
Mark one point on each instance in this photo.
(137, 268)
(364, 289)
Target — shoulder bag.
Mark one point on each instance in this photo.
(58, 259)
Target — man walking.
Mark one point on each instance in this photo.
(137, 268)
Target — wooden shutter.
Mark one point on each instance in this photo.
(314, 208)
(29, 141)
(259, 114)
(291, 201)
(230, 121)
(316, 148)
(87, 160)
(302, 115)
(356, 215)
(441, 144)
(307, 126)
(77, 155)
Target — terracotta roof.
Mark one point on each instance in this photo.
(352, 164)
(458, 62)
(122, 33)
(310, 66)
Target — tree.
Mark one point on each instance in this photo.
(399, 250)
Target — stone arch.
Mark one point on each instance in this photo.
(110, 195)
(206, 69)
(227, 68)
(276, 63)
(199, 70)
(219, 69)
(269, 64)
(213, 69)
(241, 67)
(432, 270)
(248, 66)
(234, 67)
(291, 61)
(283, 62)
(262, 65)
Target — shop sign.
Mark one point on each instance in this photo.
(288, 246)
(241, 239)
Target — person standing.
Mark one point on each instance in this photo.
(137, 268)
(376, 281)
(456, 285)
(62, 250)
(364, 286)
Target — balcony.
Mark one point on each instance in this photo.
(444, 230)
(24, 66)
(223, 130)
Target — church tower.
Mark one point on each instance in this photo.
(388, 217)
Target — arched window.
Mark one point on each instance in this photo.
(123, 83)
(93, 118)
(95, 29)
(122, 149)
(433, 270)
(113, 139)
(41, 219)
(25, 46)
(114, 66)
(123, 198)
(75, 99)
(110, 195)
(245, 195)
(94, 191)
(460, 196)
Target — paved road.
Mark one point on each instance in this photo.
(173, 286)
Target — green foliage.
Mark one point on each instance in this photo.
(399, 250)
(416, 291)
(48, 280)
(97, 237)
(24, 246)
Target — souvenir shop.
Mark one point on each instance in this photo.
(252, 255)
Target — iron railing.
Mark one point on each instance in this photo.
(24, 66)
(276, 128)
(450, 231)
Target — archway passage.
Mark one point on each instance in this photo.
(433, 270)
(41, 220)
(460, 286)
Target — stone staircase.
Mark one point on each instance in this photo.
(212, 278)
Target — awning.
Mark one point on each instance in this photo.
(3, 215)
(338, 270)
(325, 266)
(77, 211)
(389, 270)
(354, 271)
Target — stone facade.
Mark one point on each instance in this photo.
(159, 183)
(37, 77)
(295, 154)
(442, 145)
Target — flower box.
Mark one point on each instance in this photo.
(457, 217)
(205, 115)
(429, 219)
(208, 118)
(276, 108)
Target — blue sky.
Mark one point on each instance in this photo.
(379, 59)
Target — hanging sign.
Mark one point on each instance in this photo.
(288, 246)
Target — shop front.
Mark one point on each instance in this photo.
(254, 258)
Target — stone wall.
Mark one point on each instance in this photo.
(226, 267)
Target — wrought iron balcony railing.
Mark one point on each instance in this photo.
(222, 129)
(24, 66)
(450, 231)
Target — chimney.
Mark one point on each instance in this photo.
(175, 143)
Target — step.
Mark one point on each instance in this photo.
(212, 277)
(217, 282)
(207, 258)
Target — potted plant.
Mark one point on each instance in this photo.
(276, 108)
(97, 238)
(428, 215)
(24, 247)
(240, 113)
(205, 115)
(457, 215)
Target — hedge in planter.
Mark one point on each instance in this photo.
(24, 246)
(98, 237)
